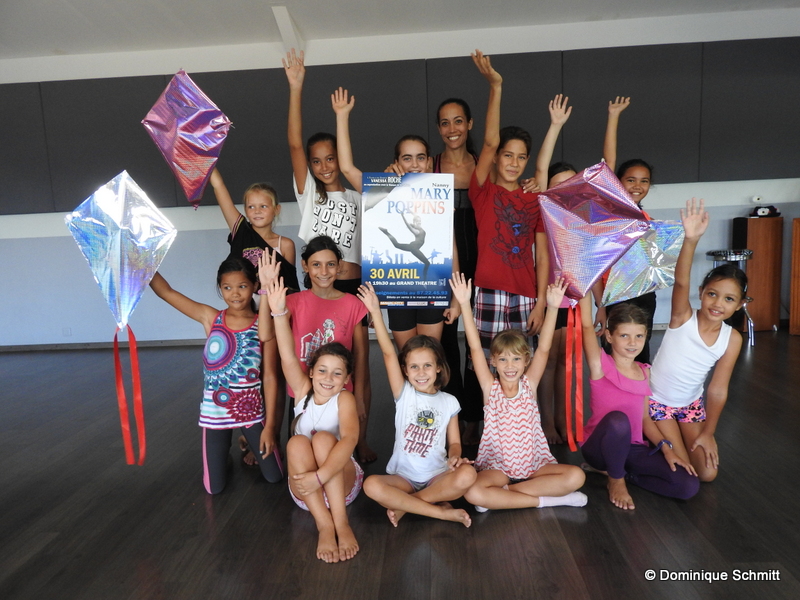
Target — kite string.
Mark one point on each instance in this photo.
(122, 401)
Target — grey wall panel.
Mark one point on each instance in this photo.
(255, 150)
(751, 121)
(24, 171)
(529, 81)
(94, 131)
(390, 103)
(662, 124)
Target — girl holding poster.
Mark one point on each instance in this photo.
(411, 155)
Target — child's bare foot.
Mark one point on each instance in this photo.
(348, 546)
(365, 454)
(618, 494)
(327, 548)
(456, 514)
(248, 457)
(395, 515)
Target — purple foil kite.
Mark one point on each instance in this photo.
(591, 221)
(189, 130)
(124, 238)
(648, 266)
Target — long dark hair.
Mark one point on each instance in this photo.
(318, 244)
(467, 113)
(318, 137)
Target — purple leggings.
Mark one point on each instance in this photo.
(609, 449)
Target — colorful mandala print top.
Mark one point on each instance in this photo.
(232, 367)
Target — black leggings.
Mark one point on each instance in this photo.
(216, 449)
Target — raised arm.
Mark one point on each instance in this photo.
(695, 223)
(395, 373)
(590, 347)
(462, 290)
(491, 139)
(224, 199)
(268, 270)
(559, 114)
(615, 107)
(554, 295)
(295, 73)
(269, 387)
(202, 313)
(342, 107)
(298, 381)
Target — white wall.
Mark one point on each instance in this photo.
(58, 301)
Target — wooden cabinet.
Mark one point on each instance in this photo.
(794, 303)
(764, 236)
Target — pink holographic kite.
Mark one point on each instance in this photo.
(591, 221)
(189, 130)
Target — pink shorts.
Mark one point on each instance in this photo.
(350, 496)
(694, 413)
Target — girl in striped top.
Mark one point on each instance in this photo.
(515, 467)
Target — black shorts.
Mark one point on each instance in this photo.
(405, 319)
(561, 319)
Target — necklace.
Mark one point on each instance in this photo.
(314, 419)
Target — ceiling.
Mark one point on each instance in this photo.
(44, 28)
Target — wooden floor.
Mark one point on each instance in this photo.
(77, 523)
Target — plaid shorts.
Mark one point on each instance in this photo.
(496, 311)
(693, 413)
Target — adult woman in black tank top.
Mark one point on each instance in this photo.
(454, 121)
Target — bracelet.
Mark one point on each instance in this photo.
(319, 481)
(263, 292)
(661, 443)
(280, 314)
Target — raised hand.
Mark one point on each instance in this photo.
(559, 111)
(694, 219)
(555, 292)
(618, 105)
(277, 296)
(461, 286)
(367, 295)
(295, 68)
(485, 67)
(340, 102)
(530, 185)
(268, 268)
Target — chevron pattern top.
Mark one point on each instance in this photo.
(513, 440)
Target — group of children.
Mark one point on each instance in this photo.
(316, 341)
